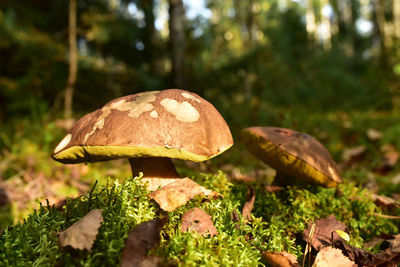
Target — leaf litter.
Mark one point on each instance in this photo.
(178, 193)
(280, 259)
(329, 256)
(82, 234)
(199, 221)
(324, 232)
(248, 206)
(143, 238)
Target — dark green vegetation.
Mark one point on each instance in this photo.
(279, 218)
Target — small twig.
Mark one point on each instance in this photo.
(308, 246)
(252, 244)
(91, 193)
(387, 216)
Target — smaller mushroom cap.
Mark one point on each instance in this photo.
(172, 123)
(293, 153)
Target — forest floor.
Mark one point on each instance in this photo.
(364, 144)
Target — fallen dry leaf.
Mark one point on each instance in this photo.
(329, 256)
(323, 232)
(179, 193)
(391, 155)
(395, 244)
(280, 259)
(152, 184)
(248, 206)
(387, 258)
(353, 155)
(142, 239)
(389, 159)
(82, 234)
(373, 134)
(199, 221)
(384, 201)
(273, 188)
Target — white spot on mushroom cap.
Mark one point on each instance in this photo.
(64, 142)
(136, 111)
(154, 114)
(136, 108)
(183, 111)
(192, 97)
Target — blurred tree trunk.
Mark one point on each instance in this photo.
(396, 18)
(251, 91)
(310, 20)
(250, 24)
(177, 39)
(150, 37)
(326, 25)
(343, 10)
(73, 61)
(354, 37)
(381, 29)
(385, 37)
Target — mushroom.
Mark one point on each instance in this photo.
(149, 129)
(293, 153)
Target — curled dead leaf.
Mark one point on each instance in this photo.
(273, 188)
(82, 234)
(179, 193)
(280, 259)
(143, 238)
(329, 256)
(353, 155)
(323, 232)
(199, 221)
(387, 258)
(374, 134)
(384, 201)
(248, 206)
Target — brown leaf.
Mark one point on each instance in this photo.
(273, 188)
(248, 206)
(142, 239)
(82, 234)
(179, 193)
(362, 257)
(199, 221)
(323, 232)
(389, 159)
(374, 134)
(391, 155)
(374, 241)
(353, 155)
(152, 184)
(395, 244)
(280, 259)
(329, 256)
(384, 201)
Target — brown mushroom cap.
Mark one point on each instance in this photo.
(171, 123)
(293, 153)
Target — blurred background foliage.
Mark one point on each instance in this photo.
(326, 67)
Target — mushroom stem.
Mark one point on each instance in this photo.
(158, 172)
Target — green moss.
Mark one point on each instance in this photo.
(279, 219)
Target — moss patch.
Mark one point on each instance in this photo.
(279, 219)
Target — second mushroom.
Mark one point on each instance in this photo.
(293, 153)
